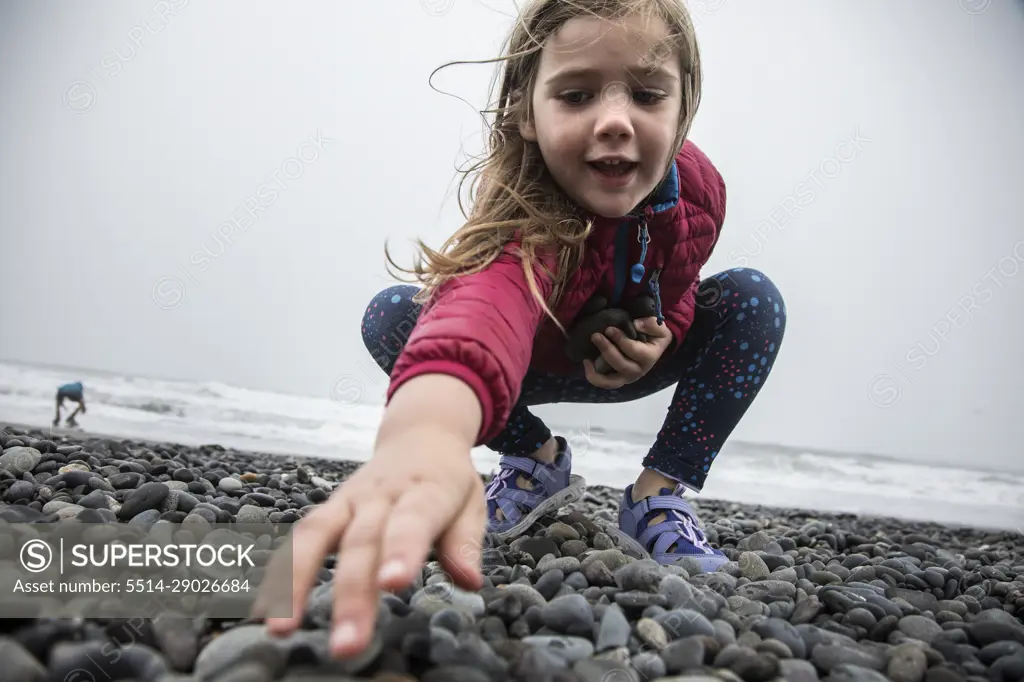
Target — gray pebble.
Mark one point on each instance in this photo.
(550, 583)
(644, 575)
(433, 598)
(570, 615)
(753, 567)
(19, 490)
(561, 532)
(679, 623)
(853, 673)
(598, 574)
(613, 559)
(147, 496)
(919, 627)
(683, 654)
(652, 633)
(648, 665)
(250, 513)
(571, 649)
(797, 670)
(19, 460)
(614, 630)
(19, 665)
(537, 663)
(783, 631)
(145, 518)
(604, 670)
(829, 656)
(566, 564)
(577, 581)
(907, 663)
(527, 595)
(230, 485)
(767, 590)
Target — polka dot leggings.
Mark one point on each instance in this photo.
(718, 370)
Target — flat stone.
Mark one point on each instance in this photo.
(20, 460)
(571, 649)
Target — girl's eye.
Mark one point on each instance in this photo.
(648, 97)
(574, 97)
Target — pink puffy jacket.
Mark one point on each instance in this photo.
(488, 330)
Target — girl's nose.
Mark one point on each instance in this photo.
(614, 109)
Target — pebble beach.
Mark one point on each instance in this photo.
(805, 595)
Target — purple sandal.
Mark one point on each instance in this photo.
(680, 528)
(553, 488)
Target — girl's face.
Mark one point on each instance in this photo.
(606, 111)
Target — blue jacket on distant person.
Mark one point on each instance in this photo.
(72, 391)
(75, 393)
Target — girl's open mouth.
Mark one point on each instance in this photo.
(613, 170)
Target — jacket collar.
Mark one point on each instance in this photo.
(664, 197)
(666, 194)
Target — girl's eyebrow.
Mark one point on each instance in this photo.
(636, 72)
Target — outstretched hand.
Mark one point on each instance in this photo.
(420, 487)
(629, 359)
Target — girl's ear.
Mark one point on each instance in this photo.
(528, 131)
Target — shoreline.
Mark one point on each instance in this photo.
(714, 505)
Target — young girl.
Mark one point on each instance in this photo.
(589, 188)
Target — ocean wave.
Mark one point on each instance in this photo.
(214, 412)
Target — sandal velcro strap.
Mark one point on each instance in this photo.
(662, 503)
(511, 502)
(668, 533)
(542, 474)
(523, 464)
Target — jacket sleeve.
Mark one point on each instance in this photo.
(480, 329)
(701, 186)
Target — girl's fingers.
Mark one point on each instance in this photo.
(355, 576)
(633, 350)
(312, 539)
(650, 326)
(461, 546)
(613, 355)
(416, 519)
(601, 380)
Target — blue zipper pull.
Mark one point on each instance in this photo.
(637, 271)
(655, 288)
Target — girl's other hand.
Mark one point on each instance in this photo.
(629, 359)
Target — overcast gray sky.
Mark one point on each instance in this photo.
(873, 154)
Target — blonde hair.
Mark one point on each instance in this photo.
(511, 189)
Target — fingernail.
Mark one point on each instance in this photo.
(279, 626)
(344, 636)
(391, 570)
